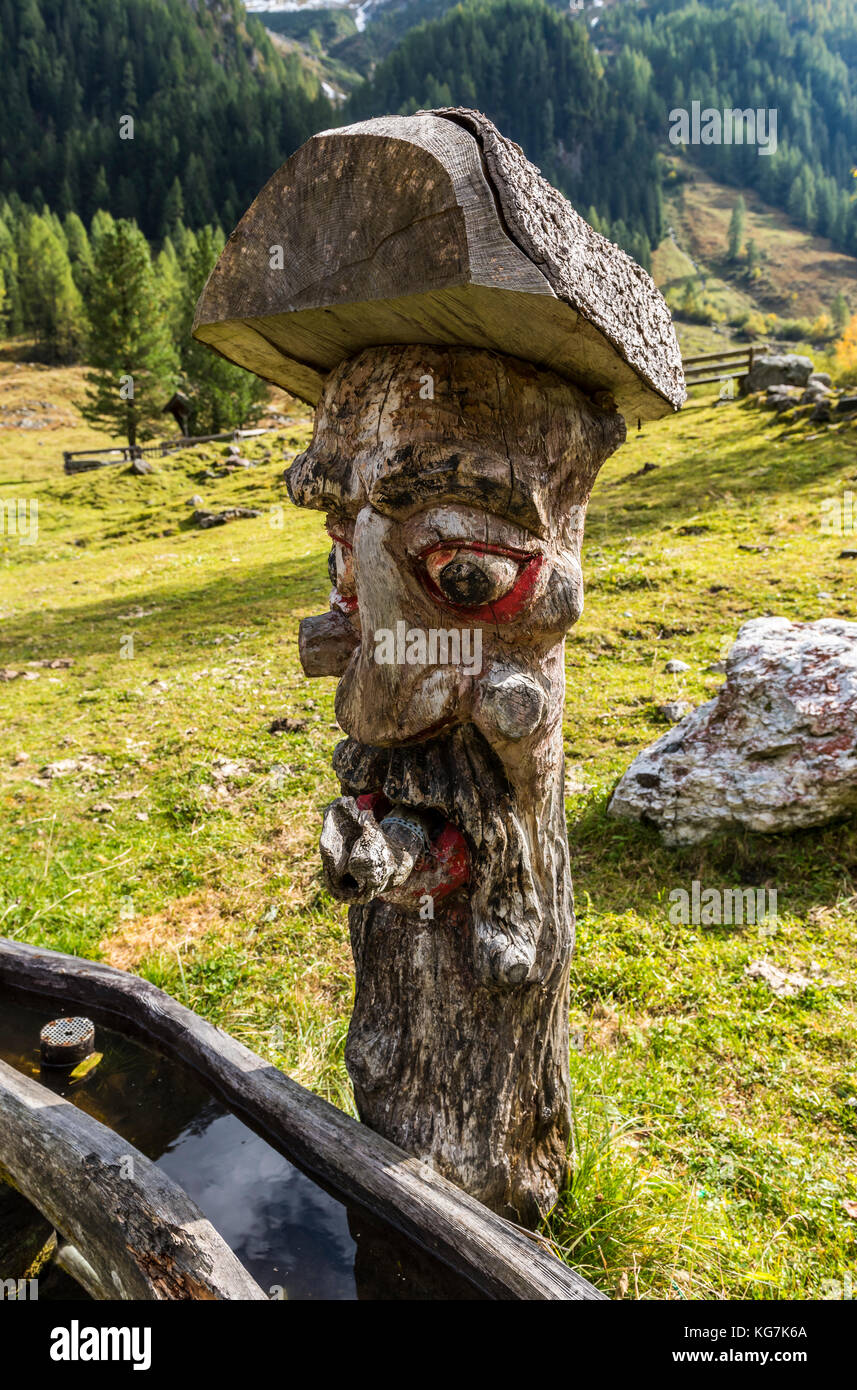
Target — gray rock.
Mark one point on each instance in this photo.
(820, 379)
(676, 667)
(140, 467)
(205, 520)
(780, 397)
(822, 413)
(775, 750)
(197, 502)
(847, 403)
(674, 710)
(783, 369)
(287, 724)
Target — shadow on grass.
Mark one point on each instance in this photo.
(616, 860)
(272, 592)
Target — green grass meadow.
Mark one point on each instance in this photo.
(715, 1125)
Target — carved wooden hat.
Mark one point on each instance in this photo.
(433, 228)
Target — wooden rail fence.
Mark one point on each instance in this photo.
(718, 366)
(82, 460)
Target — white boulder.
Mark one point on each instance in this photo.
(776, 749)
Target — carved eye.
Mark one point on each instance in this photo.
(471, 578)
(340, 565)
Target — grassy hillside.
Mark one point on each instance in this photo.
(177, 837)
(798, 275)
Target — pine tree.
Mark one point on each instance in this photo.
(753, 258)
(840, 313)
(133, 361)
(79, 251)
(737, 225)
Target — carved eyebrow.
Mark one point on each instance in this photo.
(466, 527)
(479, 548)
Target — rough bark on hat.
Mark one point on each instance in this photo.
(433, 229)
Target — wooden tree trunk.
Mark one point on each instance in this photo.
(455, 483)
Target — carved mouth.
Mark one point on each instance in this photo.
(387, 836)
(411, 822)
(373, 849)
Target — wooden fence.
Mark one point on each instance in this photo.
(718, 366)
(82, 460)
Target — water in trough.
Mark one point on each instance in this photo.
(286, 1229)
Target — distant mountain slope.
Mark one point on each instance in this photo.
(796, 58)
(216, 109)
(782, 287)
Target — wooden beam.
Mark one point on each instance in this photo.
(706, 380)
(730, 368)
(360, 1166)
(136, 1229)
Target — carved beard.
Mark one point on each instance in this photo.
(522, 875)
(466, 1015)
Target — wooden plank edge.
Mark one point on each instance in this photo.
(136, 1229)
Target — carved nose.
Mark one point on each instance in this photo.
(362, 859)
(325, 643)
(514, 703)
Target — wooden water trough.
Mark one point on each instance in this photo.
(145, 1239)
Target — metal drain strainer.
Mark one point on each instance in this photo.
(66, 1041)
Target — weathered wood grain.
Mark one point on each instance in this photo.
(607, 287)
(458, 1044)
(140, 1233)
(432, 229)
(362, 1167)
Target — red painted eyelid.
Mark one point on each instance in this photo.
(503, 608)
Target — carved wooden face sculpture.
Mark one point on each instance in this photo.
(455, 483)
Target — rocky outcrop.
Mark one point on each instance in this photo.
(775, 750)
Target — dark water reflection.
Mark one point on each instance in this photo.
(287, 1230)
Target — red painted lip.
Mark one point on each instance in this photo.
(504, 608)
(448, 851)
